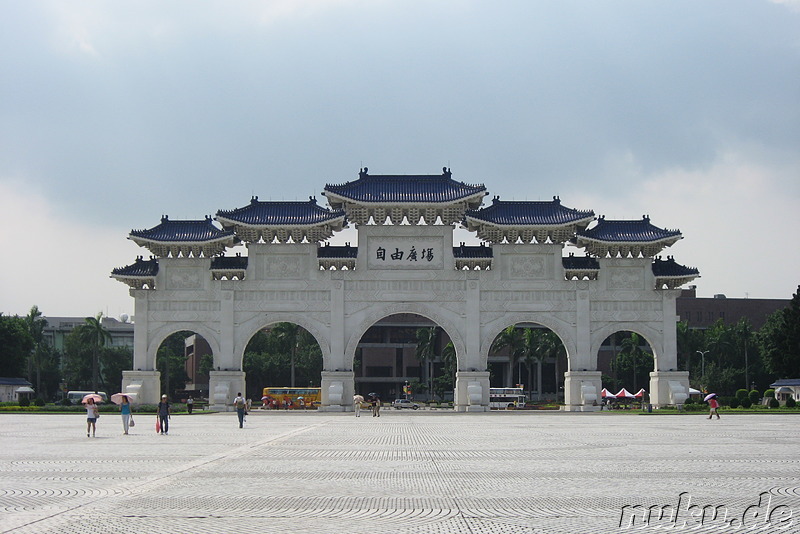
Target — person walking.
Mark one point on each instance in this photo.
(375, 401)
(241, 405)
(164, 412)
(189, 405)
(92, 413)
(713, 405)
(126, 412)
(357, 400)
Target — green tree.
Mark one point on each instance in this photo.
(446, 381)
(171, 361)
(94, 334)
(779, 340)
(289, 335)
(36, 325)
(426, 351)
(509, 338)
(16, 344)
(633, 361)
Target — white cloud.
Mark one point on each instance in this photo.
(60, 265)
(734, 217)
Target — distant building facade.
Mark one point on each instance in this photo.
(703, 312)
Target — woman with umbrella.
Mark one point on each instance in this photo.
(92, 412)
(125, 410)
(713, 404)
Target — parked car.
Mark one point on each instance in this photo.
(404, 403)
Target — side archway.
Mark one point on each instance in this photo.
(158, 336)
(249, 328)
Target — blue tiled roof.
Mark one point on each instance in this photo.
(183, 231)
(470, 251)
(145, 268)
(530, 213)
(329, 251)
(229, 263)
(280, 213)
(405, 189)
(640, 231)
(670, 267)
(582, 263)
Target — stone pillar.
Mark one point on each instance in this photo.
(338, 388)
(222, 389)
(472, 391)
(144, 385)
(582, 391)
(669, 388)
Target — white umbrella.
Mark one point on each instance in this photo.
(710, 396)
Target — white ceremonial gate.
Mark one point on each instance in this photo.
(406, 263)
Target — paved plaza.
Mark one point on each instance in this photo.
(405, 472)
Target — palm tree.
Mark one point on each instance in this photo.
(289, 334)
(632, 346)
(426, 350)
(511, 338)
(549, 346)
(95, 334)
(36, 326)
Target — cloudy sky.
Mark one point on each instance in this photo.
(114, 113)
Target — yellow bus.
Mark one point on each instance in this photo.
(310, 397)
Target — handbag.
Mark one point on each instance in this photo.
(132, 422)
(158, 425)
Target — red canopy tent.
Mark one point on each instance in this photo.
(607, 394)
(640, 394)
(624, 394)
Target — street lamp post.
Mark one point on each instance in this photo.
(702, 354)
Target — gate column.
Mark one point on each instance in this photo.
(338, 388)
(582, 391)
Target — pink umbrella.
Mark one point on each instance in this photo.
(94, 396)
(710, 396)
(116, 398)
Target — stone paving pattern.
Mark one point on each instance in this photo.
(405, 472)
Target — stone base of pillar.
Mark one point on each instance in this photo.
(222, 389)
(472, 391)
(582, 391)
(338, 388)
(144, 386)
(669, 388)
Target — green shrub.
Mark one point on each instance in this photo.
(24, 401)
(754, 396)
(741, 393)
(773, 402)
(746, 403)
(790, 402)
(689, 401)
(770, 393)
(66, 402)
(39, 401)
(734, 403)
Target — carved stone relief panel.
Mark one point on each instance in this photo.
(183, 278)
(285, 267)
(529, 267)
(626, 279)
